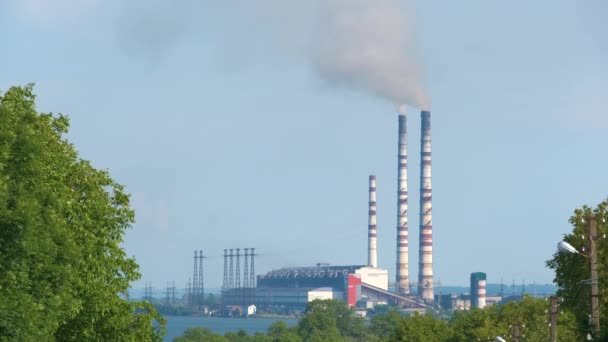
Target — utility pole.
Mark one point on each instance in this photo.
(252, 278)
(189, 294)
(225, 281)
(195, 281)
(595, 291)
(201, 283)
(173, 294)
(231, 271)
(553, 319)
(516, 332)
(237, 272)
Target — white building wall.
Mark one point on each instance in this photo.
(377, 277)
(321, 293)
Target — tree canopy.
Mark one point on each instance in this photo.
(572, 271)
(63, 273)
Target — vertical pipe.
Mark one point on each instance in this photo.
(425, 270)
(402, 274)
(372, 254)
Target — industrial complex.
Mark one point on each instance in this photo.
(361, 286)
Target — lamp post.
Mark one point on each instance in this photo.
(564, 247)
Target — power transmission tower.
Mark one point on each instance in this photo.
(237, 283)
(246, 269)
(225, 280)
(189, 293)
(168, 294)
(201, 283)
(252, 278)
(231, 271)
(195, 281)
(173, 294)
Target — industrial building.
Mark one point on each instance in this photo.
(295, 287)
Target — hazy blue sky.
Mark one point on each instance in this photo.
(226, 138)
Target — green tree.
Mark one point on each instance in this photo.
(421, 328)
(63, 274)
(330, 320)
(477, 325)
(384, 326)
(279, 331)
(572, 271)
(199, 335)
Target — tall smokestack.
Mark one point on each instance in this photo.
(402, 281)
(425, 270)
(372, 255)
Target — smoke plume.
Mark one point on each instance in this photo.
(367, 45)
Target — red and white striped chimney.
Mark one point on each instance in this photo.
(425, 270)
(372, 254)
(481, 293)
(402, 281)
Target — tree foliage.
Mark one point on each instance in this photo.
(321, 323)
(63, 274)
(572, 271)
(330, 320)
(421, 328)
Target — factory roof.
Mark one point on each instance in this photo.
(319, 271)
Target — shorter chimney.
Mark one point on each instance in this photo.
(478, 290)
(372, 254)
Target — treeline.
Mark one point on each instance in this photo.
(331, 320)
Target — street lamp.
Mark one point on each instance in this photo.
(564, 247)
(496, 339)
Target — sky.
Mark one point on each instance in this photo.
(226, 137)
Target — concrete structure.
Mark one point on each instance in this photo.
(402, 274)
(324, 293)
(353, 290)
(377, 277)
(478, 290)
(425, 269)
(492, 300)
(372, 254)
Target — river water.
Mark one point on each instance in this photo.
(176, 325)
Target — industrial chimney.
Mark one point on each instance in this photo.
(478, 290)
(425, 270)
(402, 281)
(372, 256)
